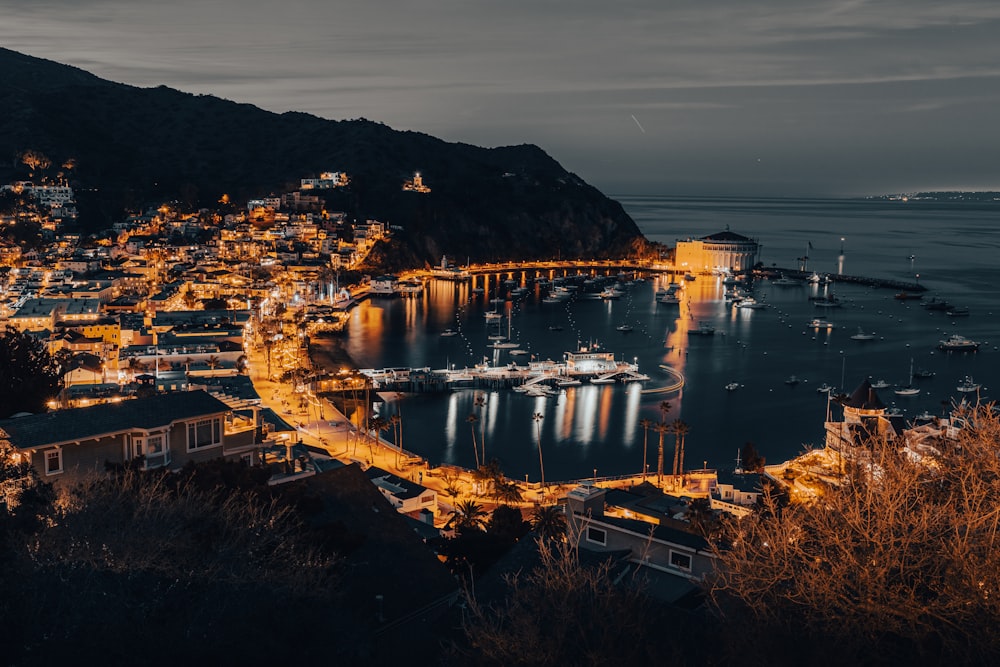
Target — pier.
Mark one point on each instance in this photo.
(902, 285)
(535, 378)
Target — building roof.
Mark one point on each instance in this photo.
(728, 236)
(77, 424)
(864, 398)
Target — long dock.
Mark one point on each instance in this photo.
(537, 377)
(901, 285)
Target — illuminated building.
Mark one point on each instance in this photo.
(724, 251)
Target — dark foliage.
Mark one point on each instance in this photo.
(29, 375)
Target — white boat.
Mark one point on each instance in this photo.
(602, 380)
(568, 382)
(909, 389)
(863, 335)
(968, 385)
(669, 299)
(824, 388)
(492, 315)
(624, 328)
(817, 323)
(957, 311)
(518, 353)
(784, 281)
(611, 293)
(792, 380)
(733, 386)
(956, 343)
(751, 303)
(880, 384)
(827, 302)
(449, 332)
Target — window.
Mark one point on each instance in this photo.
(429, 498)
(680, 561)
(53, 462)
(597, 535)
(204, 433)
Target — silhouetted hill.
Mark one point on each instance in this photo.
(134, 146)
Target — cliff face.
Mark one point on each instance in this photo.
(133, 146)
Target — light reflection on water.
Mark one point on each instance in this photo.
(598, 426)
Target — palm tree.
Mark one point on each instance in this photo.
(664, 409)
(549, 522)
(645, 424)
(537, 417)
(472, 419)
(507, 493)
(397, 426)
(468, 515)
(480, 403)
(213, 361)
(681, 429)
(660, 428)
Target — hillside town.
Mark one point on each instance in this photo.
(184, 337)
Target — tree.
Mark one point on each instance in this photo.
(645, 424)
(662, 429)
(752, 460)
(549, 521)
(30, 377)
(480, 403)
(472, 419)
(396, 422)
(900, 557)
(468, 515)
(679, 428)
(537, 417)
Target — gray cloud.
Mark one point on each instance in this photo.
(833, 97)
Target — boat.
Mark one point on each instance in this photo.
(923, 373)
(449, 332)
(568, 382)
(967, 385)
(957, 311)
(924, 417)
(862, 335)
(792, 381)
(827, 302)
(880, 384)
(603, 380)
(751, 303)
(492, 315)
(518, 353)
(733, 386)
(817, 323)
(784, 281)
(703, 329)
(689, 276)
(935, 303)
(909, 389)
(906, 296)
(611, 293)
(824, 388)
(555, 327)
(624, 328)
(956, 343)
(503, 342)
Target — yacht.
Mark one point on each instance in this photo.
(611, 293)
(733, 386)
(624, 328)
(785, 281)
(568, 382)
(817, 323)
(880, 384)
(956, 343)
(827, 302)
(824, 388)
(957, 311)
(449, 332)
(751, 303)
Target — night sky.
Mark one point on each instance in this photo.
(728, 97)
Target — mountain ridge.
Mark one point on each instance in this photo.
(133, 146)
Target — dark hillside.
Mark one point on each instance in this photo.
(134, 145)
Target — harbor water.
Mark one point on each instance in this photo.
(597, 429)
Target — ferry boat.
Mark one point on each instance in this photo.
(956, 343)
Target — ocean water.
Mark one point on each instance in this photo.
(951, 248)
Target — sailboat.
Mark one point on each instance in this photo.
(505, 344)
(909, 389)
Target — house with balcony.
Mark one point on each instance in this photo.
(164, 430)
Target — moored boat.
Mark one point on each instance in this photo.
(968, 385)
(863, 335)
(957, 343)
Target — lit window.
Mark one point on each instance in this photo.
(680, 561)
(53, 462)
(597, 535)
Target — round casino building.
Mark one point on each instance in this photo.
(722, 252)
